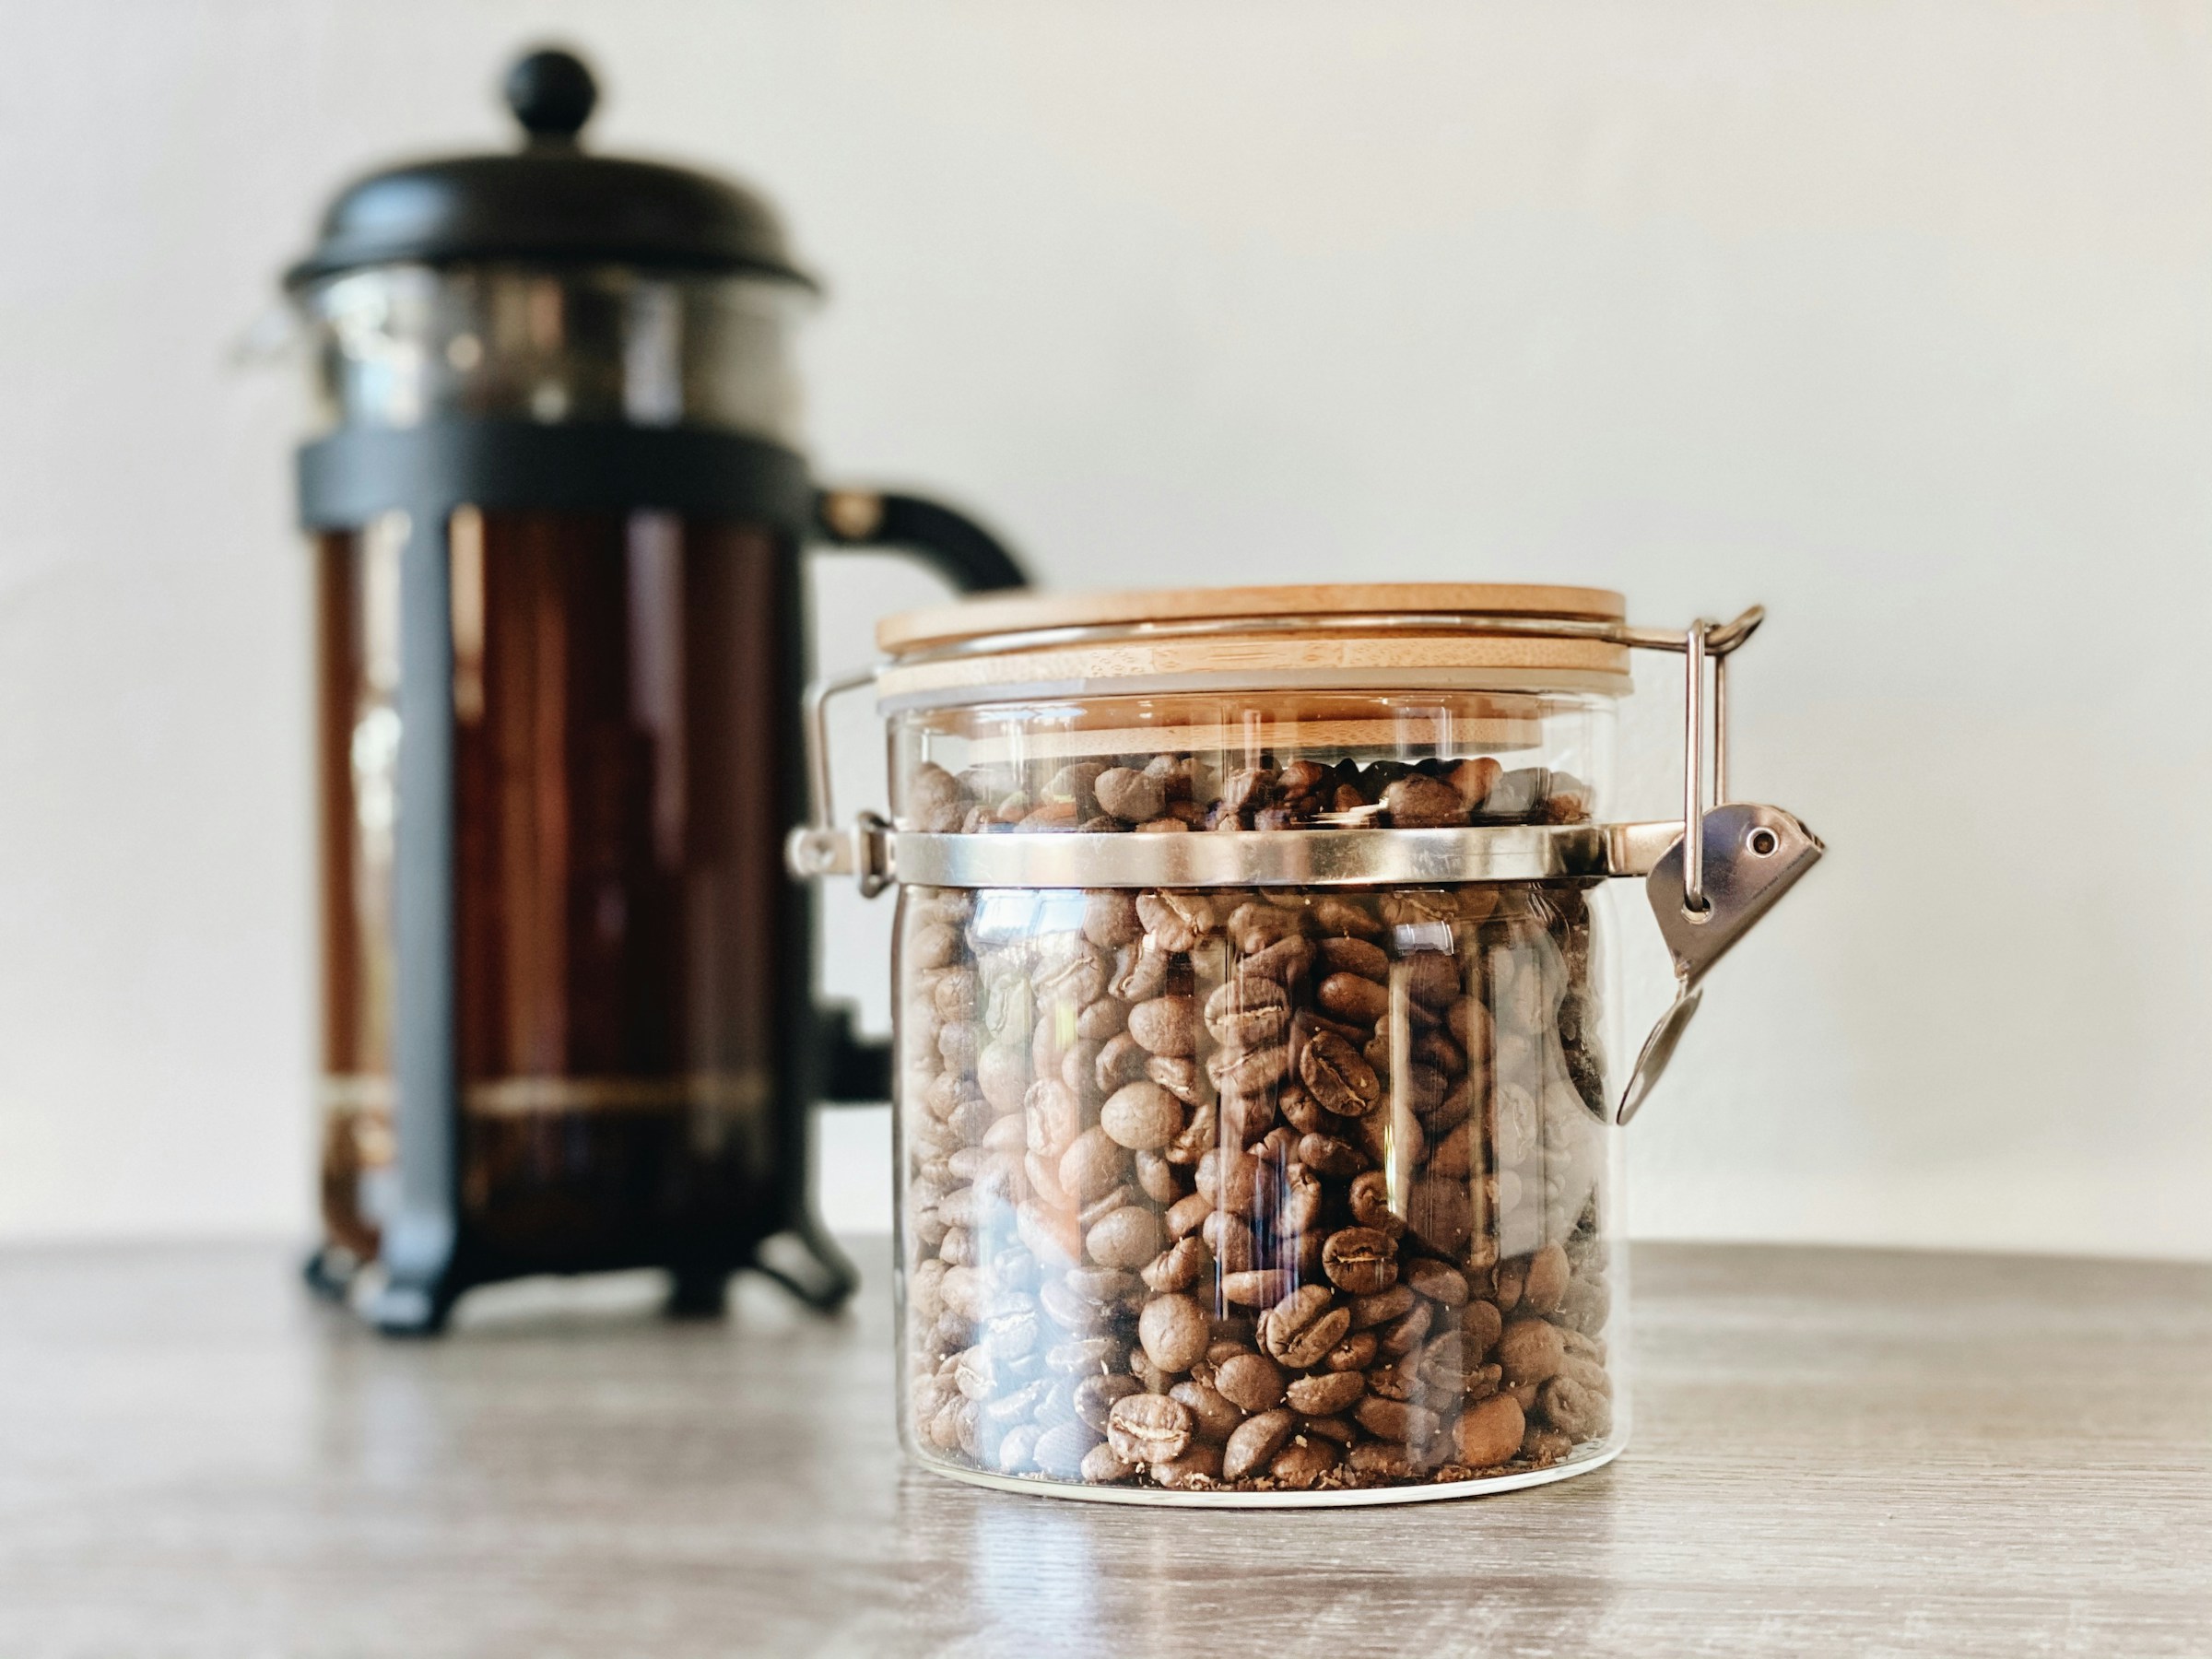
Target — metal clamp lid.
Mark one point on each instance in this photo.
(1709, 877)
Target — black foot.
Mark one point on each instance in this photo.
(329, 1273)
(698, 1292)
(399, 1309)
(807, 1262)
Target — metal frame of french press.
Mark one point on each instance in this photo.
(429, 472)
(1709, 875)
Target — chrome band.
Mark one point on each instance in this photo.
(1281, 857)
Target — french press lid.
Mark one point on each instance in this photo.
(551, 201)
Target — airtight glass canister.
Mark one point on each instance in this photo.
(1250, 1150)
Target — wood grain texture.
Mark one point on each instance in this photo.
(1835, 1452)
(971, 619)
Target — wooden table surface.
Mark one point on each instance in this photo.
(1836, 1452)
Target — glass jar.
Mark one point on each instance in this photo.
(1257, 1094)
(1291, 1190)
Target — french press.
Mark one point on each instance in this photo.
(559, 504)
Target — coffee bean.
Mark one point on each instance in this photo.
(1248, 1012)
(1576, 1410)
(1381, 1308)
(1255, 1441)
(1395, 1419)
(1530, 1350)
(1174, 923)
(1355, 1352)
(1438, 1281)
(1128, 1237)
(1328, 1156)
(1303, 1326)
(1141, 1116)
(1180, 1266)
(1252, 928)
(1060, 1450)
(1199, 1466)
(1255, 1287)
(1132, 796)
(1251, 1380)
(1302, 1464)
(1148, 1428)
(1349, 997)
(1359, 1261)
(1092, 1166)
(1489, 1432)
(1180, 1076)
(1103, 1465)
(1213, 1419)
(1481, 1323)
(1248, 1071)
(1357, 956)
(1419, 802)
(1544, 1281)
(1327, 1393)
(1095, 1398)
(1337, 1077)
(1282, 962)
(1174, 1331)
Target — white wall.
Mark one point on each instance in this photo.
(1895, 317)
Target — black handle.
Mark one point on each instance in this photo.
(858, 1069)
(953, 544)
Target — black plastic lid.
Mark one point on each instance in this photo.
(549, 201)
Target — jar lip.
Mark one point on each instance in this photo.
(1004, 623)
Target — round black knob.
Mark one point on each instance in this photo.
(551, 94)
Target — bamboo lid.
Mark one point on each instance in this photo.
(1255, 637)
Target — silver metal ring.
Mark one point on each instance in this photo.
(1264, 858)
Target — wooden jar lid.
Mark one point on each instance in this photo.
(1255, 637)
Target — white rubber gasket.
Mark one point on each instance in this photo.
(1350, 1498)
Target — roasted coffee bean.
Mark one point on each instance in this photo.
(1103, 1465)
(1180, 1074)
(1530, 1350)
(1355, 1352)
(1325, 1155)
(1359, 1261)
(1337, 1077)
(1283, 961)
(1132, 796)
(1387, 1460)
(1349, 997)
(1174, 923)
(1092, 1166)
(1395, 1419)
(1174, 1331)
(1095, 1398)
(1128, 1237)
(1254, 1442)
(1180, 1266)
(1359, 958)
(1419, 802)
(1231, 1239)
(1438, 1281)
(1481, 1323)
(1251, 1380)
(1381, 1308)
(1489, 1432)
(1255, 1287)
(1403, 1334)
(1370, 1199)
(1333, 914)
(1300, 1465)
(1199, 1466)
(1213, 1419)
(1576, 1410)
(1158, 1177)
(1247, 1012)
(1544, 1280)
(1143, 1117)
(1148, 1429)
(1253, 927)
(1166, 1025)
(1248, 1071)
(1326, 1394)
(1303, 1326)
